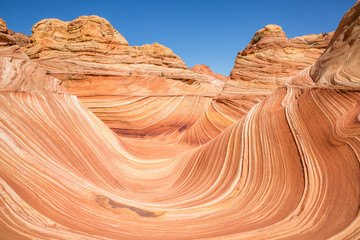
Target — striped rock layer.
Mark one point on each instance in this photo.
(145, 94)
(89, 52)
(271, 59)
(287, 169)
(149, 83)
(204, 69)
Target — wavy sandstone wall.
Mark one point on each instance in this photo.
(147, 85)
(288, 169)
(115, 80)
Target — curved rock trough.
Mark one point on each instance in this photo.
(189, 161)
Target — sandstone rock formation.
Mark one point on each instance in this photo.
(20, 38)
(18, 73)
(219, 80)
(5, 38)
(116, 81)
(88, 51)
(203, 69)
(334, 68)
(271, 59)
(6, 35)
(288, 169)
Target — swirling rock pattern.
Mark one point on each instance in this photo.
(149, 85)
(173, 123)
(287, 169)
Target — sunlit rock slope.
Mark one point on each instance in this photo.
(271, 59)
(145, 94)
(287, 169)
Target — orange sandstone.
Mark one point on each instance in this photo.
(270, 59)
(287, 169)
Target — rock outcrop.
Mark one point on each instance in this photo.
(218, 79)
(271, 59)
(111, 78)
(18, 73)
(334, 68)
(203, 69)
(5, 38)
(89, 52)
(20, 38)
(84, 34)
(9, 37)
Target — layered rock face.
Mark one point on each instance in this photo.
(89, 52)
(271, 59)
(203, 69)
(8, 36)
(287, 169)
(335, 69)
(219, 80)
(18, 73)
(115, 80)
(5, 38)
(148, 86)
(20, 38)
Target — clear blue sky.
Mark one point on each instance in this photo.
(211, 32)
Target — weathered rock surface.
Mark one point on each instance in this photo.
(20, 38)
(288, 169)
(84, 34)
(116, 81)
(18, 73)
(9, 37)
(218, 80)
(5, 38)
(89, 52)
(203, 69)
(334, 68)
(271, 59)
